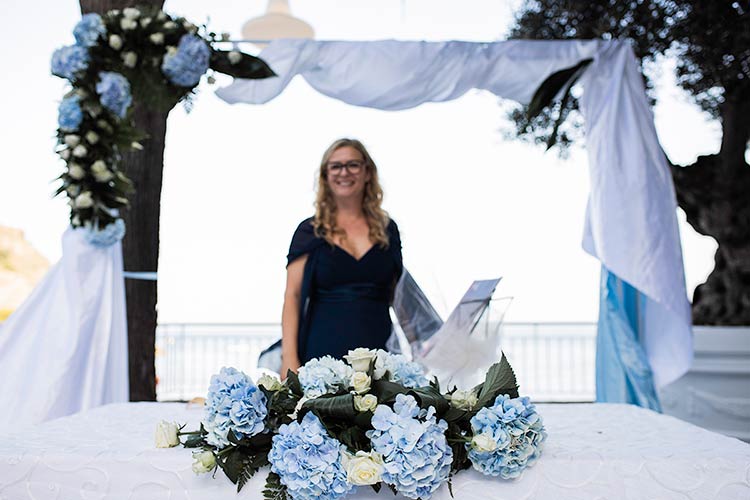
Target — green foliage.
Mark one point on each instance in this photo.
(274, 490)
(710, 41)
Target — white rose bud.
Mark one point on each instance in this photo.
(463, 400)
(76, 221)
(136, 145)
(84, 200)
(189, 27)
(270, 383)
(115, 42)
(360, 358)
(131, 13)
(72, 140)
(368, 402)
(204, 461)
(130, 59)
(156, 38)
(170, 25)
(483, 442)
(360, 382)
(171, 50)
(64, 154)
(128, 24)
(80, 151)
(145, 22)
(92, 137)
(75, 171)
(234, 57)
(161, 15)
(73, 190)
(82, 93)
(98, 167)
(363, 468)
(166, 434)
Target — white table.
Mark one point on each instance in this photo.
(594, 451)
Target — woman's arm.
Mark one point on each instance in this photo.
(290, 316)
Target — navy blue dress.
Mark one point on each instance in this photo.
(344, 301)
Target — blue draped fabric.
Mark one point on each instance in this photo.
(623, 373)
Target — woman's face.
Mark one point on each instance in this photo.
(347, 173)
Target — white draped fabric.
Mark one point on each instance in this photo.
(65, 348)
(631, 224)
(603, 451)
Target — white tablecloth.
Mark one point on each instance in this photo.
(594, 451)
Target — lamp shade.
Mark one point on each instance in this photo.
(277, 22)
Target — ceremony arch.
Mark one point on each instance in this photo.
(645, 338)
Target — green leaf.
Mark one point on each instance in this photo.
(376, 487)
(250, 67)
(430, 396)
(274, 490)
(293, 383)
(341, 406)
(500, 379)
(232, 464)
(386, 391)
(194, 441)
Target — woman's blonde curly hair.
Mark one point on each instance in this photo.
(324, 221)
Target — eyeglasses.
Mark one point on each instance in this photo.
(353, 167)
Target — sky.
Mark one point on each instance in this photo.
(239, 178)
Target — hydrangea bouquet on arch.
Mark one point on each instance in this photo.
(373, 420)
(141, 55)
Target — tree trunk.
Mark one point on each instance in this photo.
(141, 242)
(714, 192)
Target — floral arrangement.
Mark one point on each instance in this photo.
(373, 420)
(135, 54)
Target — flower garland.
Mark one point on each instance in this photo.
(368, 421)
(140, 54)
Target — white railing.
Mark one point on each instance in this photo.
(553, 361)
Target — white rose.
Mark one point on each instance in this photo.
(463, 400)
(270, 383)
(73, 190)
(156, 38)
(170, 25)
(166, 432)
(131, 13)
(84, 200)
(115, 42)
(380, 362)
(190, 27)
(483, 442)
(360, 382)
(76, 221)
(92, 137)
(145, 22)
(129, 59)
(171, 50)
(360, 358)
(128, 24)
(368, 402)
(76, 171)
(80, 151)
(234, 57)
(136, 145)
(363, 468)
(72, 140)
(161, 15)
(101, 172)
(64, 154)
(204, 461)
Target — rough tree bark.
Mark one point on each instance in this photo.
(714, 193)
(141, 242)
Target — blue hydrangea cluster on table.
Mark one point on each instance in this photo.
(371, 419)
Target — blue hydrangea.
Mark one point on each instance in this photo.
(106, 236)
(517, 431)
(186, 66)
(67, 61)
(324, 375)
(416, 453)
(405, 372)
(69, 114)
(234, 404)
(114, 92)
(89, 29)
(308, 461)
